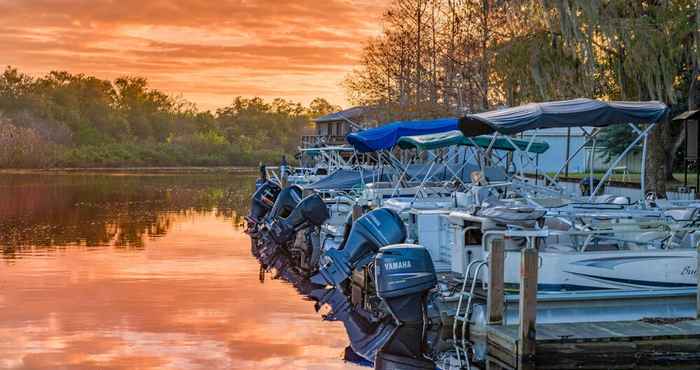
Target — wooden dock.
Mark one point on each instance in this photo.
(590, 345)
(600, 344)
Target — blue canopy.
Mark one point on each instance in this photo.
(385, 137)
(567, 113)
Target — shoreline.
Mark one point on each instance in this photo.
(134, 170)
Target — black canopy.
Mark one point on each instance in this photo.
(567, 113)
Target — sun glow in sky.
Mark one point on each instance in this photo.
(206, 51)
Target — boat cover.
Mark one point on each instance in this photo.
(385, 137)
(568, 113)
(346, 179)
(441, 172)
(455, 137)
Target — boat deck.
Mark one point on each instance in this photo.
(572, 345)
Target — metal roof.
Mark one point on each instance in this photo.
(349, 113)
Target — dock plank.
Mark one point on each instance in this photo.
(617, 330)
(603, 341)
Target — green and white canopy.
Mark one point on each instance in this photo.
(455, 137)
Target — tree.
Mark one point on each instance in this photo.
(320, 107)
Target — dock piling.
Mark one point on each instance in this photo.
(528, 307)
(495, 299)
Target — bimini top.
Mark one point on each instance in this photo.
(385, 137)
(567, 113)
(455, 137)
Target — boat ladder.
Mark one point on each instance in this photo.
(459, 337)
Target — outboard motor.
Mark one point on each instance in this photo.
(376, 229)
(404, 273)
(311, 211)
(394, 357)
(404, 276)
(287, 199)
(260, 205)
(263, 200)
(366, 336)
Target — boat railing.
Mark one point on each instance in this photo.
(609, 232)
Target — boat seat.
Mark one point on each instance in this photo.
(622, 200)
(649, 236)
(681, 214)
(603, 199)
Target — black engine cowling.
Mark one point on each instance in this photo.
(287, 199)
(281, 232)
(311, 211)
(404, 275)
(262, 202)
(367, 336)
(370, 232)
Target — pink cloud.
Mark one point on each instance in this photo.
(206, 51)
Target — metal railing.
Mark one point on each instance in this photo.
(311, 140)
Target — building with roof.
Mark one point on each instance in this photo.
(332, 128)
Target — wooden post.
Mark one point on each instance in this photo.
(356, 212)
(528, 308)
(495, 299)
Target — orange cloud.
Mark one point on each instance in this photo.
(207, 51)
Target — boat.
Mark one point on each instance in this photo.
(400, 245)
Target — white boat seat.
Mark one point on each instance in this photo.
(622, 200)
(681, 214)
(603, 199)
(649, 236)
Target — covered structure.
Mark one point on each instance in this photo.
(570, 113)
(387, 136)
(455, 138)
(332, 128)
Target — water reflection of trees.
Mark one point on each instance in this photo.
(91, 210)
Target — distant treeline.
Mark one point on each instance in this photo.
(67, 120)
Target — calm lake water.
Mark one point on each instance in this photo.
(145, 272)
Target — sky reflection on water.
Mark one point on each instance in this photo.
(182, 292)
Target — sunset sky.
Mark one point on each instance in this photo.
(207, 51)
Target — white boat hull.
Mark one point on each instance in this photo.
(579, 271)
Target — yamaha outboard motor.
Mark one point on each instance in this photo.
(376, 229)
(404, 275)
(311, 211)
(366, 336)
(393, 356)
